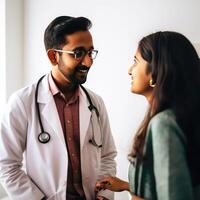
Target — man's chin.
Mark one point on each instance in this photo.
(79, 81)
(82, 81)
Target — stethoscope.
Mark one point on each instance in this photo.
(44, 137)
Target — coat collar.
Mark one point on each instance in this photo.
(49, 111)
(44, 94)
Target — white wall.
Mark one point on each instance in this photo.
(11, 52)
(117, 27)
(14, 45)
(2, 67)
(2, 57)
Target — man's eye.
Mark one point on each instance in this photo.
(79, 54)
(90, 53)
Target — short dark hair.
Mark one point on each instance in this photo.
(55, 33)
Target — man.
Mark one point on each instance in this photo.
(60, 128)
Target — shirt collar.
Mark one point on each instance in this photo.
(52, 86)
(55, 90)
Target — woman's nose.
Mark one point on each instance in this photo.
(130, 70)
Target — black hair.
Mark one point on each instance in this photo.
(175, 68)
(56, 32)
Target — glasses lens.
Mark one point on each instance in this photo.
(93, 54)
(79, 54)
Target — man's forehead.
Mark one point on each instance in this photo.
(79, 39)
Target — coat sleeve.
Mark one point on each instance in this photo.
(108, 152)
(13, 130)
(171, 171)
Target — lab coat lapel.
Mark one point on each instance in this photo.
(84, 116)
(48, 109)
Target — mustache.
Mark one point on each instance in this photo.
(82, 67)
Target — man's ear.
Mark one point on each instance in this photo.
(52, 56)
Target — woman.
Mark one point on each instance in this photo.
(165, 160)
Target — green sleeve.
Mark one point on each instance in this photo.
(171, 171)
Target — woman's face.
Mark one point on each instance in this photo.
(139, 76)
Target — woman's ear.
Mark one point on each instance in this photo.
(52, 56)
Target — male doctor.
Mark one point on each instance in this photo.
(60, 130)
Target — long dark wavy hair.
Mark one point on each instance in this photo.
(175, 68)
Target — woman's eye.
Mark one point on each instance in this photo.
(134, 62)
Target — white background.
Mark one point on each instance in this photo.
(2, 56)
(117, 27)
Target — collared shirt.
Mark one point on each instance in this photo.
(69, 117)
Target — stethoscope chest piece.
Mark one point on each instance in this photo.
(44, 137)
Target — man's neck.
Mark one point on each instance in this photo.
(67, 89)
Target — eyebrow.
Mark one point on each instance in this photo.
(136, 58)
(81, 48)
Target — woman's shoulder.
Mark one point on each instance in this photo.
(167, 114)
(163, 118)
(164, 125)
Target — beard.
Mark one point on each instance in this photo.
(77, 76)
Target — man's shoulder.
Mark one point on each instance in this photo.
(95, 98)
(93, 94)
(24, 93)
(29, 90)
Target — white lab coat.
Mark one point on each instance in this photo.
(45, 173)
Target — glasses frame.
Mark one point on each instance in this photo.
(74, 53)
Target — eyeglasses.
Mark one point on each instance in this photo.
(80, 53)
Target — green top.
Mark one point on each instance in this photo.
(164, 173)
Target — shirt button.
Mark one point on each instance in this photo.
(64, 182)
(70, 139)
(68, 121)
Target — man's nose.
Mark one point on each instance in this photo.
(87, 61)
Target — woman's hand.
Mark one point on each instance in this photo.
(136, 198)
(112, 183)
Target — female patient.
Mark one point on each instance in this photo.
(165, 156)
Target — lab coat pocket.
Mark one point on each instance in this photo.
(91, 152)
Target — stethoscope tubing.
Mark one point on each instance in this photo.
(44, 137)
(36, 104)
